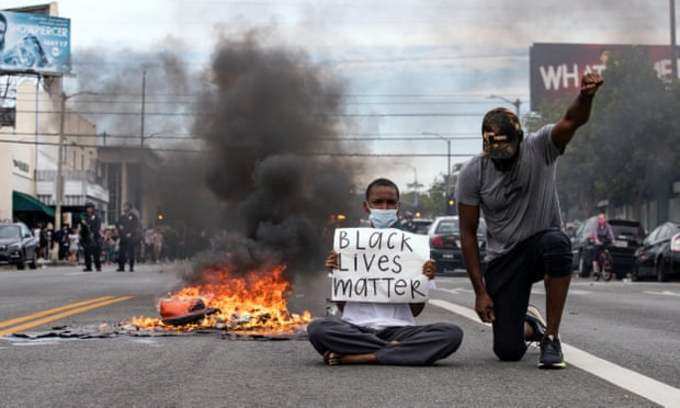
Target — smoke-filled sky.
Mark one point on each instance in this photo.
(465, 50)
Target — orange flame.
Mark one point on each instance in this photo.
(252, 304)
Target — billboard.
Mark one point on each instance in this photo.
(31, 42)
(556, 69)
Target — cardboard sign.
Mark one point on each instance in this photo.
(380, 266)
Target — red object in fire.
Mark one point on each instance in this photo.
(175, 307)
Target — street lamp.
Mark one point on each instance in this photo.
(60, 165)
(516, 103)
(448, 158)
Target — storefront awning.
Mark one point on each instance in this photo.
(25, 202)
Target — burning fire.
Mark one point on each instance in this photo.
(252, 304)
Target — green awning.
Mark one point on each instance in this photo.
(25, 202)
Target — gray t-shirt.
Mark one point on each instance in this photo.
(518, 203)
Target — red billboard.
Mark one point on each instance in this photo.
(556, 69)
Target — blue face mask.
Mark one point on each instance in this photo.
(382, 218)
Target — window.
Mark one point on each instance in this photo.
(446, 227)
(651, 238)
(9, 231)
(665, 233)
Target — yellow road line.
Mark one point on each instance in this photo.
(51, 311)
(62, 315)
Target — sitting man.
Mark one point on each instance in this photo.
(379, 333)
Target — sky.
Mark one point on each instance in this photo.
(412, 57)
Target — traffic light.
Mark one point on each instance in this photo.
(451, 205)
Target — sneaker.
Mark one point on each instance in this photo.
(536, 322)
(87, 270)
(551, 354)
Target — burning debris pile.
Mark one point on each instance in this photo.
(254, 303)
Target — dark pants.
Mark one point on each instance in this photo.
(509, 279)
(126, 253)
(93, 251)
(418, 345)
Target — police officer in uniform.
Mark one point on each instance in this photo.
(90, 226)
(128, 231)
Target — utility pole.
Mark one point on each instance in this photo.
(448, 166)
(59, 201)
(143, 105)
(674, 53)
(415, 186)
(60, 167)
(448, 158)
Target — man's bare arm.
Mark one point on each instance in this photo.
(578, 113)
(469, 223)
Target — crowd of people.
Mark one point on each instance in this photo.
(126, 242)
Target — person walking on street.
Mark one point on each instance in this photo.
(91, 239)
(128, 231)
(73, 246)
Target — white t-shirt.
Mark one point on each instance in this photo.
(378, 315)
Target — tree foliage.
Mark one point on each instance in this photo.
(629, 151)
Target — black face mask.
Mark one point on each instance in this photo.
(503, 136)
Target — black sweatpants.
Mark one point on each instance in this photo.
(93, 251)
(126, 252)
(509, 279)
(418, 345)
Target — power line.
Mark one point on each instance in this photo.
(176, 102)
(189, 137)
(179, 150)
(349, 95)
(349, 115)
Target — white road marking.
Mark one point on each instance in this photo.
(571, 292)
(455, 291)
(646, 387)
(663, 293)
(458, 291)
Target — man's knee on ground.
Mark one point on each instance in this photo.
(510, 351)
(557, 256)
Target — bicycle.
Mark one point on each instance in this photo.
(605, 264)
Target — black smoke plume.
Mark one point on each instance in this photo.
(261, 190)
(266, 115)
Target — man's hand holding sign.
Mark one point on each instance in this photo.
(380, 265)
(380, 275)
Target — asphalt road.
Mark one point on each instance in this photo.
(633, 325)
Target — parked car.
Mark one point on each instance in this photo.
(445, 247)
(659, 256)
(421, 225)
(18, 246)
(628, 236)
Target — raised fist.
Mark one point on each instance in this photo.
(590, 83)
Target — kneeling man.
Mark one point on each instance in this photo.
(380, 333)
